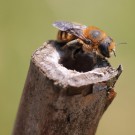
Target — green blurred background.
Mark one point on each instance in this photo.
(25, 25)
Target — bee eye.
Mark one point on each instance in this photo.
(95, 34)
(103, 48)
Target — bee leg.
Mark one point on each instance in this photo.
(77, 43)
(73, 46)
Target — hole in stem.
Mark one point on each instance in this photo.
(82, 62)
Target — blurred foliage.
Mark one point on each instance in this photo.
(25, 25)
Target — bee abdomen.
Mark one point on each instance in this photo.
(64, 36)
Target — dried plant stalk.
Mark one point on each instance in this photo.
(58, 100)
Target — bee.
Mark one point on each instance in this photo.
(91, 38)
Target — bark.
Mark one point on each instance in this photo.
(63, 96)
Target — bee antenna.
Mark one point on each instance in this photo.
(122, 43)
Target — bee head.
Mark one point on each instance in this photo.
(107, 46)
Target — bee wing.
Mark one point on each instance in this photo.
(72, 28)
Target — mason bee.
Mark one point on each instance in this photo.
(89, 38)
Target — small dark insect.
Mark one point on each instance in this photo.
(91, 38)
